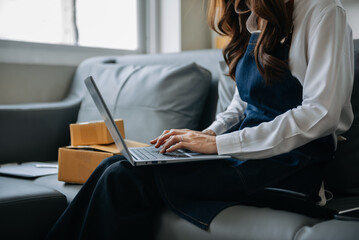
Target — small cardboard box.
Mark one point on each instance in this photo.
(89, 133)
(76, 163)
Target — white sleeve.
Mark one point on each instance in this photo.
(229, 118)
(326, 92)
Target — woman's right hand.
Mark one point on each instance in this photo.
(171, 140)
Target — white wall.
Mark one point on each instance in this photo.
(170, 26)
(195, 31)
(183, 25)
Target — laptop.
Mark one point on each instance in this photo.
(142, 155)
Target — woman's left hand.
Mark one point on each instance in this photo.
(195, 141)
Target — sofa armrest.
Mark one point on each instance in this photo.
(34, 131)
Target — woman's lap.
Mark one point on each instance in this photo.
(115, 202)
(119, 196)
(198, 191)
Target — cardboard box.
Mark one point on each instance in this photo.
(89, 133)
(76, 163)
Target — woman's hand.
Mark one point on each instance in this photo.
(195, 141)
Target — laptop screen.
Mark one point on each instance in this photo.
(106, 115)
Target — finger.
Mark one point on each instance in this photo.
(180, 145)
(170, 142)
(154, 141)
(205, 146)
(162, 139)
(167, 143)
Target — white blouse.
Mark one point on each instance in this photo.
(322, 59)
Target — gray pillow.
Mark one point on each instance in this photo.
(226, 88)
(150, 98)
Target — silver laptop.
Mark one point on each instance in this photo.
(142, 155)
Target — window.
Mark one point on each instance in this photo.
(107, 23)
(91, 23)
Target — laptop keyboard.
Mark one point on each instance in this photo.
(154, 153)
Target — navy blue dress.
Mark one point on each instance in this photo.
(120, 201)
(199, 191)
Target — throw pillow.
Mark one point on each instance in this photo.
(149, 98)
(226, 88)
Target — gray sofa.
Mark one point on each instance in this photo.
(28, 207)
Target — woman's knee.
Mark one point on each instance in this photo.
(109, 161)
(117, 169)
(122, 174)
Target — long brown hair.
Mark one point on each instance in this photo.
(229, 20)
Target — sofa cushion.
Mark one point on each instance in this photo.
(27, 210)
(226, 88)
(150, 98)
(237, 222)
(51, 181)
(208, 59)
(333, 229)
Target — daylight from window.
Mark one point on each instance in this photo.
(107, 23)
(100, 23)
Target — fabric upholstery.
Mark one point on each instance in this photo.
(226, 88)
(237, 222)
(330, 230)
(68, 189)
(150, 98)
(34, 131)
(205, 58)
(27, 210)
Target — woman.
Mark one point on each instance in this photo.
(294, 75)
